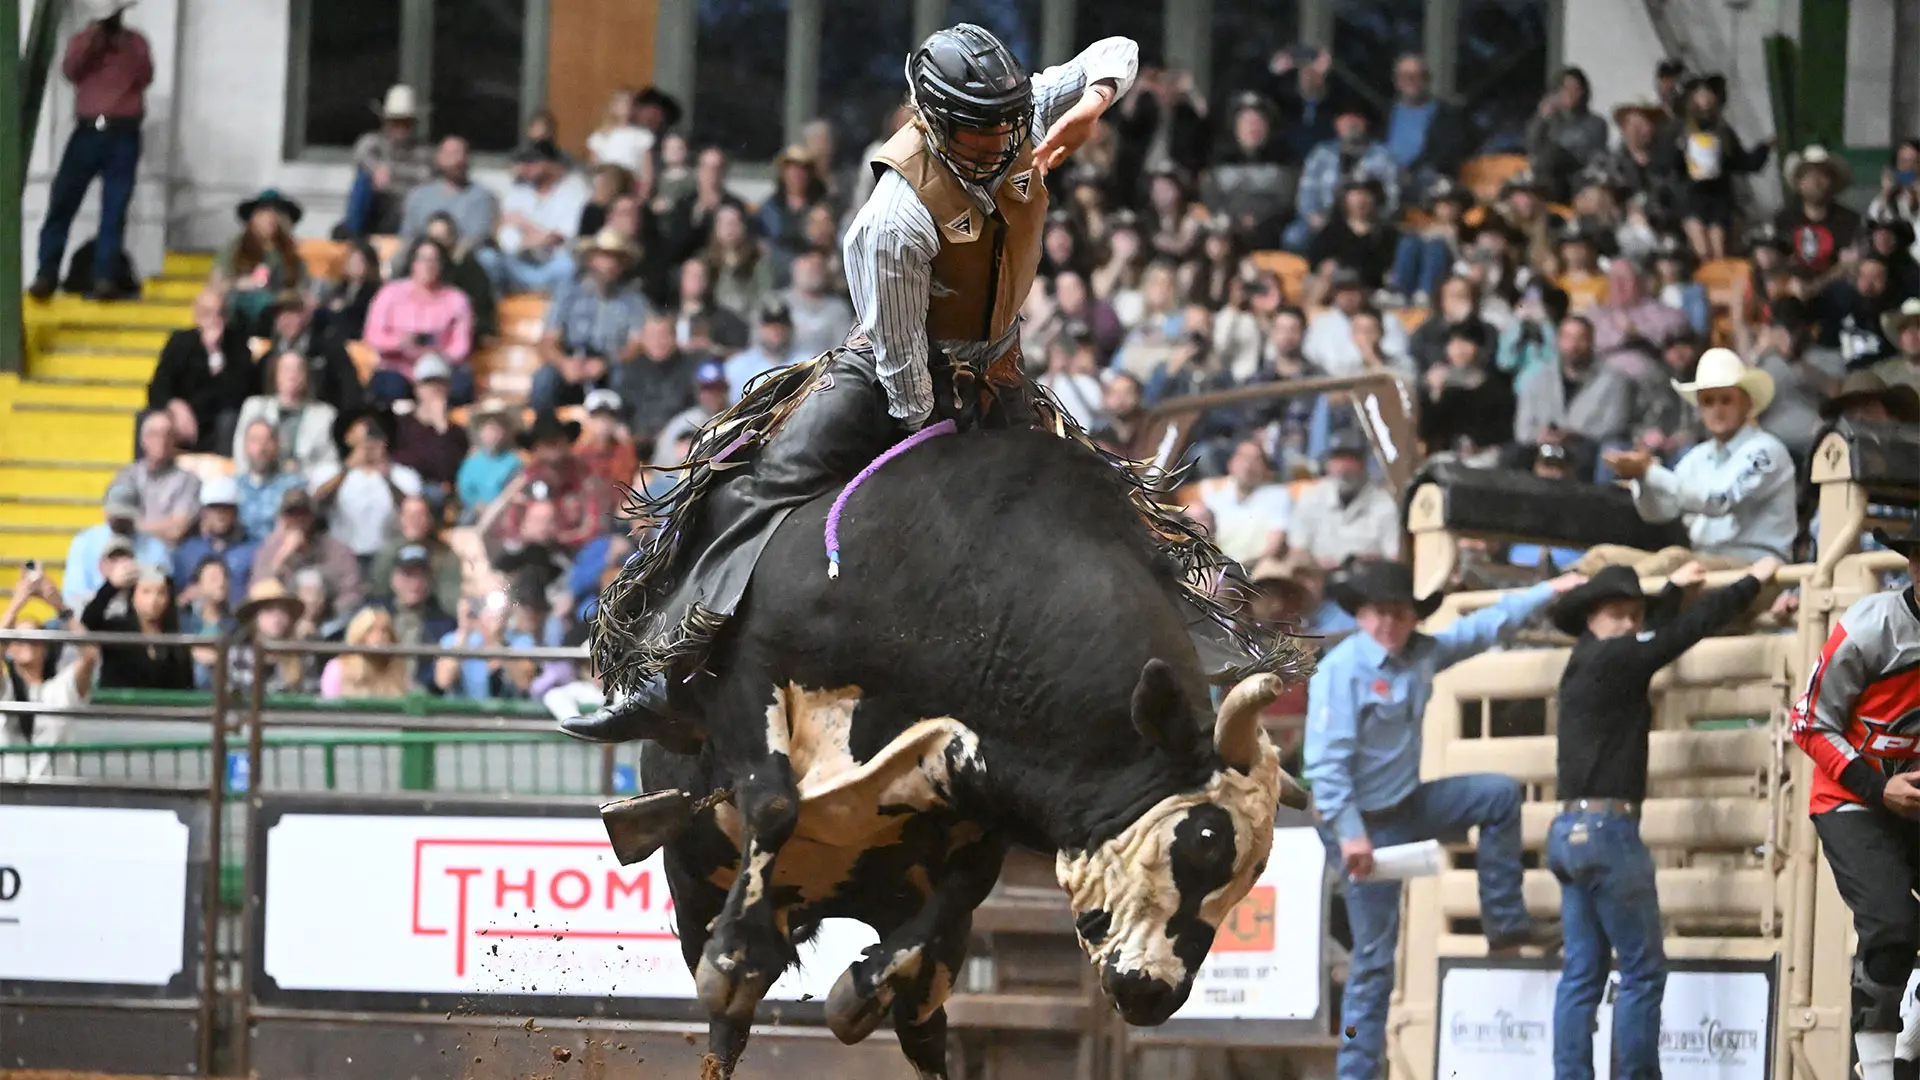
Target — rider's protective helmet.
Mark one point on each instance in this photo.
(975, 100)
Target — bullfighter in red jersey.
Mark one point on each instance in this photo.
(1860, 722)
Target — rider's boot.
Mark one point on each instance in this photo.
(645, 714)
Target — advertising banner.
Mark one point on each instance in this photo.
(416, 904)
(1496, 1018)
(1265, 963)
(94, 895)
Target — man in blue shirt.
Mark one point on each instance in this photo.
(83, 576)
(1427, 137)
(1364, 709)
(220, 533)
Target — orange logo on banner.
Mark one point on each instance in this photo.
(1249, 928)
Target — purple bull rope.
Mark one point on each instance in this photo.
(944, 427)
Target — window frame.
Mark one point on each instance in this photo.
(416, 70)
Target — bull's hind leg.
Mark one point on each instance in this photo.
(912, 969)
(747, 947)
(690, 862)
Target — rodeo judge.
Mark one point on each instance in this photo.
(1608, 901)
(1362, 754)
(939, 261)
(1860, 723)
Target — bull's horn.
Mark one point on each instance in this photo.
(1236, 731)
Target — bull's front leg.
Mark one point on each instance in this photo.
(747, 948)
(912, 969)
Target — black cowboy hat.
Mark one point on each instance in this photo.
(545, 151)
(1901, 228)
(1359, 179)
(1524, 180)
(1379, 583)
(1767, 235)
(1569, 613)
(1443, 189)
(668, 104)
(547, 428)
(1908, 545)
(1575, 232)
(1713, 81)
(270, 198)
(1671, 246)
(1902, 402)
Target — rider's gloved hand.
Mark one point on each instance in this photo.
(957, 398)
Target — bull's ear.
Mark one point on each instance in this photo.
(1160, 710)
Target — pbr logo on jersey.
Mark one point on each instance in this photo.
(1897, 738)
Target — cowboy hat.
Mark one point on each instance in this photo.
(793, 155)
(1597, 176)
(1361, 179)
(494, 410)
(1655, 112)
(548, 428)
(1902, 402)
(666, 102)
(1671, 246)
(1767, 235)
(1721, 369)
(270, 198)
(268, 595)
(1444, 189)
(607, 242)
(1574, 232)
(1569, 613)
(1713, 81)
(401, 103)
(1379, 583)
(1908, 545)
(1819, 157)
(1524, 180)
(1893, 322)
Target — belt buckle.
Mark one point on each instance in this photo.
(100, 123)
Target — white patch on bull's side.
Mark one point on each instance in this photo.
(841, 798)
(1131, 876)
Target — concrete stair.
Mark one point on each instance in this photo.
(66, 423)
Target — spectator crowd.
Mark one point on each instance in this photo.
(1551, 318)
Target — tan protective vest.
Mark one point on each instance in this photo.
(986, 263)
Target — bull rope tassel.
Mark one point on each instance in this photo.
(944, 427)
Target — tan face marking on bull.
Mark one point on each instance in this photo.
(1131, 876)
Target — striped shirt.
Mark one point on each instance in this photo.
(890, 247)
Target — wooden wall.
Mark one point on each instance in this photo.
(594, 47)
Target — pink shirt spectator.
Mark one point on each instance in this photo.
(110, 72)
(402, 311)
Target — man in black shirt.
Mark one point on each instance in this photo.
(1608, 901)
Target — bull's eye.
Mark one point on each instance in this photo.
(1207, 849)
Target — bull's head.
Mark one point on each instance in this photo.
(1147, 902)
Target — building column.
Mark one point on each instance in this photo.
(928, 17)
(13, 174)
(1441, 41)
(1316, 23)
(1057, 45)
(533, 61)
(804, 27)
(676, 35)
(1188, 37)
(1905, 112)
(416, 51)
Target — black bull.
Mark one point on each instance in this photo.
(1003, 660)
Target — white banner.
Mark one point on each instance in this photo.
(1499, 1021)
(486, 905)
(1496, 1022)
(1713, 1025)
(1265, 963)
(92, 894)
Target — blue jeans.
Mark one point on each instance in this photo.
(1420, 264)
(1437, 810)
(363, 205)
(1607, 902)
(514, 274)
(113, 155)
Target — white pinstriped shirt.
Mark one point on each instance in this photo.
(890, 246)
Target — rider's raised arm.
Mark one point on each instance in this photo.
(1057, 89)
(889, 256)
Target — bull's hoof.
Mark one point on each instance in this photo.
(851, 1014)
(727, 985)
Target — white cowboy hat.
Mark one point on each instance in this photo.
(401, 104)
(1819, 157)
(1721, 369)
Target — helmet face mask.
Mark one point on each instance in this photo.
(974, 100)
